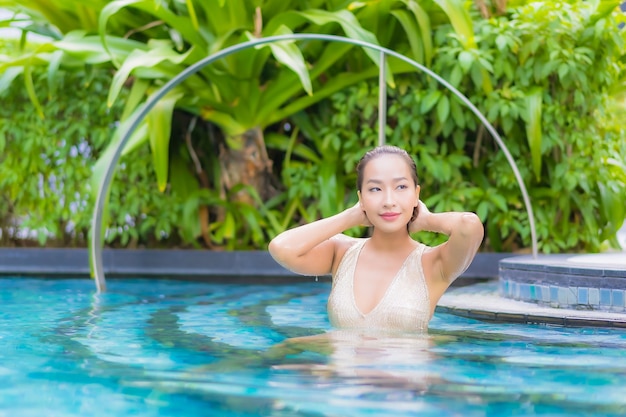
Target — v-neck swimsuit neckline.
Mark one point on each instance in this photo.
(405, 305)
(389, 286)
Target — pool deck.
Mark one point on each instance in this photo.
(485, 301)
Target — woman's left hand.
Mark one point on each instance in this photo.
(421, 221)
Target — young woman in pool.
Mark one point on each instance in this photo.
(388, 281)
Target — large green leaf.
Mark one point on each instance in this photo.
(91, 50)
(30, 88)
(350, 26)
(226, 15)
(423, 22)
(137, 138)
(160, 129)
(54, 12)
(290, 55)
(56, 58)
(230, 125)
(158, 53)
(159, 10)
(274, 111)
(410, 27)
(135, 97)
(533, 128)
(8, 76)
(612, 206)
(462, 23)
(460, 20)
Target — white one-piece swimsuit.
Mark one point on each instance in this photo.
(405, 306)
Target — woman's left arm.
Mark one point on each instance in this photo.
(465, 234)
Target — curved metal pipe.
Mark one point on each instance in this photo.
(96, 239)
(382, 98)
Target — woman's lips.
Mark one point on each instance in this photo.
(390, 216)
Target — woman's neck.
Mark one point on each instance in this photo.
(391, 242)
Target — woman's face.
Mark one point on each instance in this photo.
(388, 194)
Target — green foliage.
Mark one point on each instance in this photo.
(550, 68)
(147, 42)
(46, 164)
(548, 75)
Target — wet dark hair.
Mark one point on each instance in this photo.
(381, 151)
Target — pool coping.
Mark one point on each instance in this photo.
(567, 281)
(176, 264)
(483, 302)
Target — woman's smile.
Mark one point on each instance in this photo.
(390, 216)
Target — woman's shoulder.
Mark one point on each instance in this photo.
(343, 239)
(342, 244)
(345, 242)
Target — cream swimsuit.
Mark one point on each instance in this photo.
(405, 306)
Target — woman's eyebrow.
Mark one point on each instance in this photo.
(397, 179)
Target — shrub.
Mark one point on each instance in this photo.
(45, 169)
(551, 68)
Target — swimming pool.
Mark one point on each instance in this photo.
(176, 348)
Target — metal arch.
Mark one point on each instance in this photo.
(97, 219)
(382, 98)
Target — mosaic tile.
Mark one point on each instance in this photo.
(617, 298)
(605, 297)
(554, 293)
(562, 299)
(594, 296)
(503, 288)
(535, 292)
(572, 296)
(583, 295)
(545, 292)
(524, 291)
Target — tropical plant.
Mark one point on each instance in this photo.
(555, 99)
(149, 42)
(46, 166)
(539, 71)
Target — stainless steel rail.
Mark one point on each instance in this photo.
(97, 219)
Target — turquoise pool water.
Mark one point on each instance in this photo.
(172, 348)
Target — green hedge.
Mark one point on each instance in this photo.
(45, 169)
(544, 76)
(550, 71)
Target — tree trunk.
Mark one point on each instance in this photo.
(249, 164)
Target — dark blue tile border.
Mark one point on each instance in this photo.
(569, 285)
(179, 264)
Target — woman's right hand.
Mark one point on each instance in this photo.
(359, 215)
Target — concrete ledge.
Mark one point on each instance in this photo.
(589, 281)
(482, 302)
(589, 265)
(178, 264)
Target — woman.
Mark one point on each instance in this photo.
(388, 281)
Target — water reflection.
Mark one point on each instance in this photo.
(362, 358)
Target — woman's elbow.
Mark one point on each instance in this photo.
(472, 227)
(280, 249)
(275, 247)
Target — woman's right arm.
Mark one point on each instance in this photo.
(310, 249)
